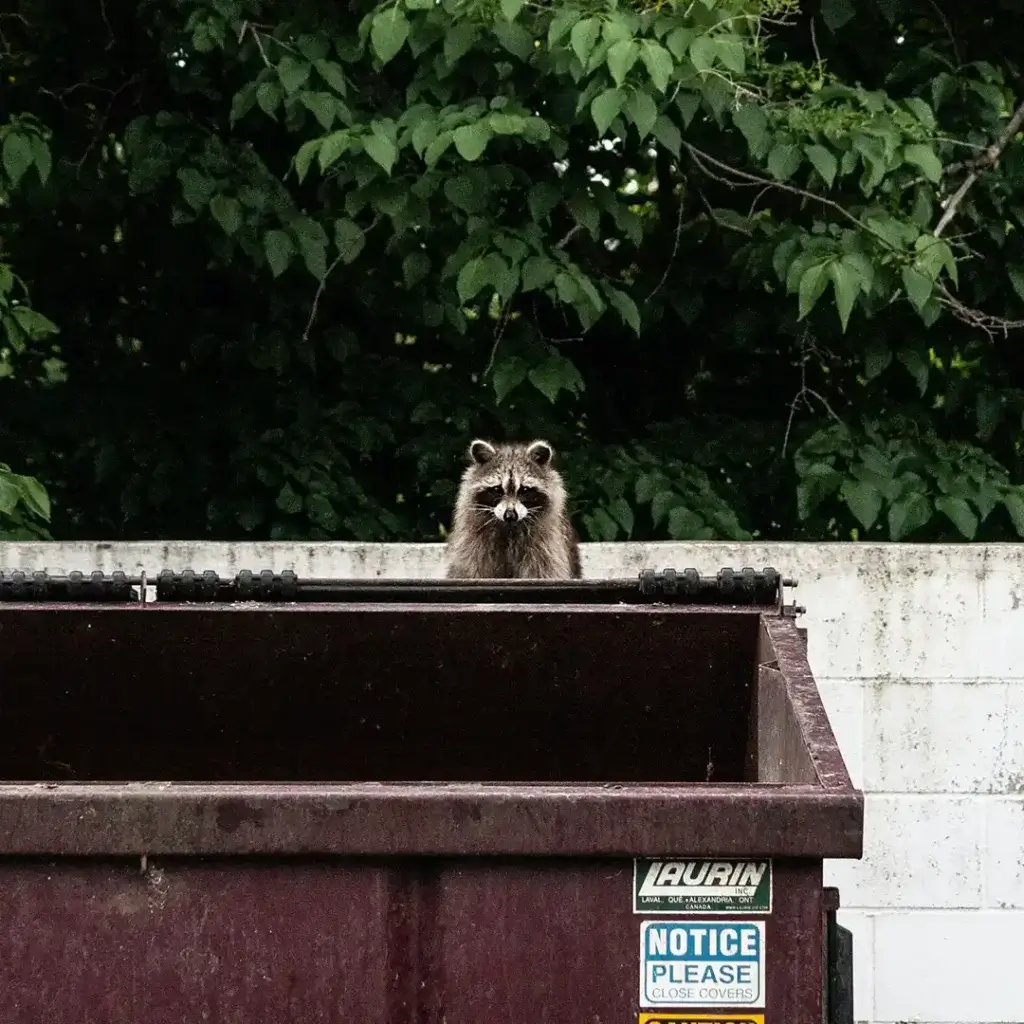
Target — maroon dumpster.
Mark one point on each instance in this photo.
(272, 800)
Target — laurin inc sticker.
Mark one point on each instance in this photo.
(702, 886)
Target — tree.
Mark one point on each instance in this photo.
(755, 268)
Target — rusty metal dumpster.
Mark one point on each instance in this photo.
(266, 799)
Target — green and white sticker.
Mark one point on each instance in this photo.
(702, 886)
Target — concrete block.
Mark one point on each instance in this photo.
(919, 851)
(1003, 863)
(943, 737)
(957, 966)
(844, 704)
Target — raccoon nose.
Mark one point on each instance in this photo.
(510, 515)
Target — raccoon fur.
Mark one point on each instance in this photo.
(510, 520)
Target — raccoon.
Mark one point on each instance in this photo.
(509, 520)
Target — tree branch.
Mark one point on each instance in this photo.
(980, 164)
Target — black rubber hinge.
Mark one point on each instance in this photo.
(839, 979)
(728, 586)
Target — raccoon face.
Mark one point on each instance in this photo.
(510, 483)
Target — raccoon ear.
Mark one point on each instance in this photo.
(481, 452)
(540, 451)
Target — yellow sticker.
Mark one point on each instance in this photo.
(701, 1018)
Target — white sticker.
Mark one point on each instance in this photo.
(702, 963)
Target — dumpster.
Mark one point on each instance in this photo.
(270, 799)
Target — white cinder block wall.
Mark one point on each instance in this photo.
(919, 654)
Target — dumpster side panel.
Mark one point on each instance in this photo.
(421, 941)
(106, 943)
(782, 755)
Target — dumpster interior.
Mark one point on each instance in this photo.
(319, 693)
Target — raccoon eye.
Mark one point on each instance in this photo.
(492, 494)
(527, 492)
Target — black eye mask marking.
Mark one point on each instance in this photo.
(491, 495)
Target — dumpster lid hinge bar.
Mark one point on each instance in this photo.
(728, 587)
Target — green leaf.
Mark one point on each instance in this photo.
(196, 189)
(1013, 501)
(349, 239)
(42, 158)
(381, 150)
(823, 162)
(292, 74)
(242, 103)
(816, 484)
(1016, 275)
(601, 526)
(34, 495)
(537, 272)
(703, 53)
(917, 367)
(753, 123)
(989, 413)
(784, 160)
(585, 212)
(415, 267)
(626, 308)
(813, 283)
(918, 287)
(910, 513)
(642, 111)
(288, 501)
(304, 157)
(863, 500)
(17, 155)
(561, 23)
(678, 42)
(388, 33)
(34, 324)
(543, 198)
(731, 53)
(227, 212)
(688, 103)
(322, 105)
(514, 38)
(556, 374)
(511, 8)
(331, 148)
(269, 95)
(659, 64)
(472, 277)
(960, 514)
(332, 74)
(846, 282)
(877, 358)
(661, 503)
(605, 107)
(836, 13)
(312, 241)
(621, 58)
(685, 524)
(923, 157)
(922, 111)
(9, 496)
(279, 250)
(620, 511)
(471, 139)
(507, 376)
(583, 38)
(668, 135)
